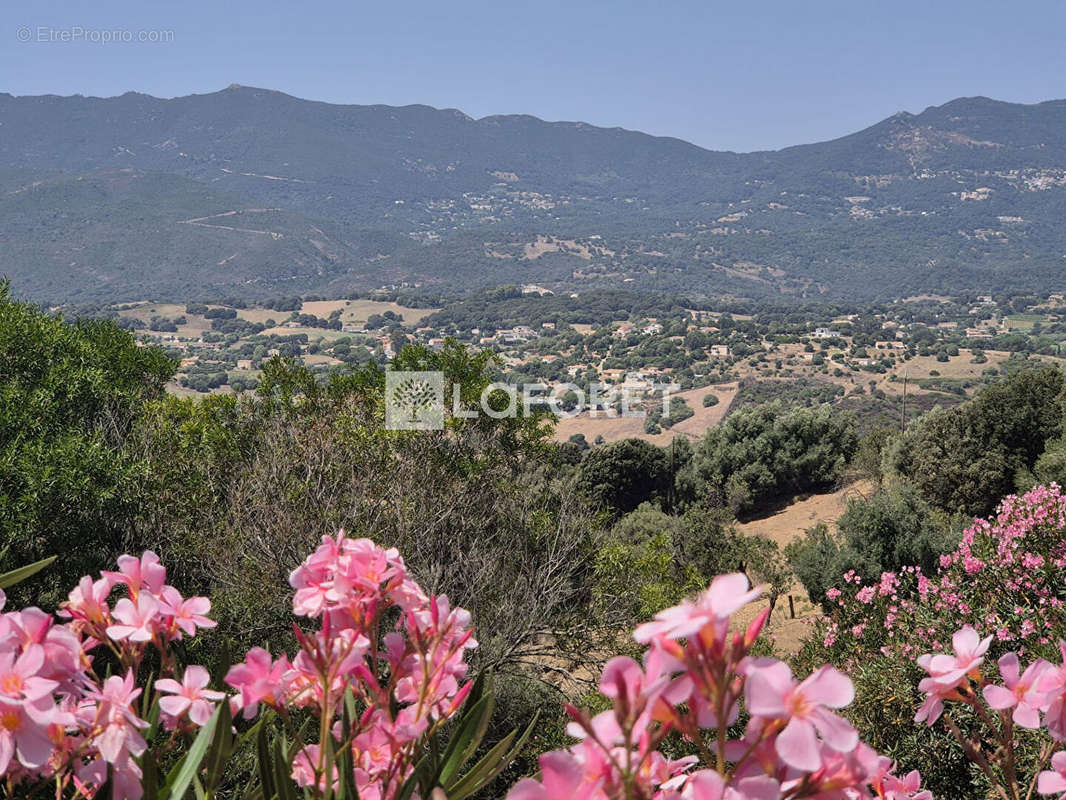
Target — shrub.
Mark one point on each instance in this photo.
(69, 397)
(772, 450)
(622, 475)
(893, 529)
(962, 459)
(1003, 578)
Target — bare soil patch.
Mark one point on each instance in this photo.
(784, 526)
(614, 428)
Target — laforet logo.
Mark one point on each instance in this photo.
(414, 401)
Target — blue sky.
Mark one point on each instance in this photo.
(737, 75)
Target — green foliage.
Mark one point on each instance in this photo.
(963, 459)
(69, 395)
(622, 475)
(651, 560)
(896, 527)
(1050, 467)
(710, 399)
(769, 451)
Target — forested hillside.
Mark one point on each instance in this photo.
(249, 191)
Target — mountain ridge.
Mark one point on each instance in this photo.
(445, 200)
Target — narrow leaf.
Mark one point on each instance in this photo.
(180, 778)
(8, 579)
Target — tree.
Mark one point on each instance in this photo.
(580, 440)
(69, 395)
(964, 458)
(622, 475)
(768, 451)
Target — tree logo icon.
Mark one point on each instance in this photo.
(414, 401)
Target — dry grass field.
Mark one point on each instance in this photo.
(357, 311)
(784, 526)
(614, 428)
(352, 312)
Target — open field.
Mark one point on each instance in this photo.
(261, 315)
(359, 310)
(352, 311)
(614, 428)
(312, 333)
(784, 526)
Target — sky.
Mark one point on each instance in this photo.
(724, 75)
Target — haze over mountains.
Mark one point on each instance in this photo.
(252, 192)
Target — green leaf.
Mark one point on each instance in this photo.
(347, 789)
(468, 737)
(218, 755)
(181, 776)
(492, 764)
(8, 579)
(265, 764)
(286, 789)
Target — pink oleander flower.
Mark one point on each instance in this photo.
(948, 670)
(24, 733)
(190, 698)
(125, 778)
(1021, 692)
(562, 777)
(706, 784)
(137, 573)
(138, 622)
(188, 615)
(1053, 781)
(303, 769)
(909, 787)
(258, 679)
(947, 673)
(727, 594)
(119, 736)
(20, 680)
(88, 600)
(344, 573)
(771, 692)
(1053, 684)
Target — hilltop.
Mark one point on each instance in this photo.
(119, 198)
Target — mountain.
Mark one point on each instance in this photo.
(250, 191)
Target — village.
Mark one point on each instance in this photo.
(938, 348)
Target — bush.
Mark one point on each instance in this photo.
(962, 459)
(1004, 578)
(69, 396)
(621, 475)
(772, 450)
(893, 529)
